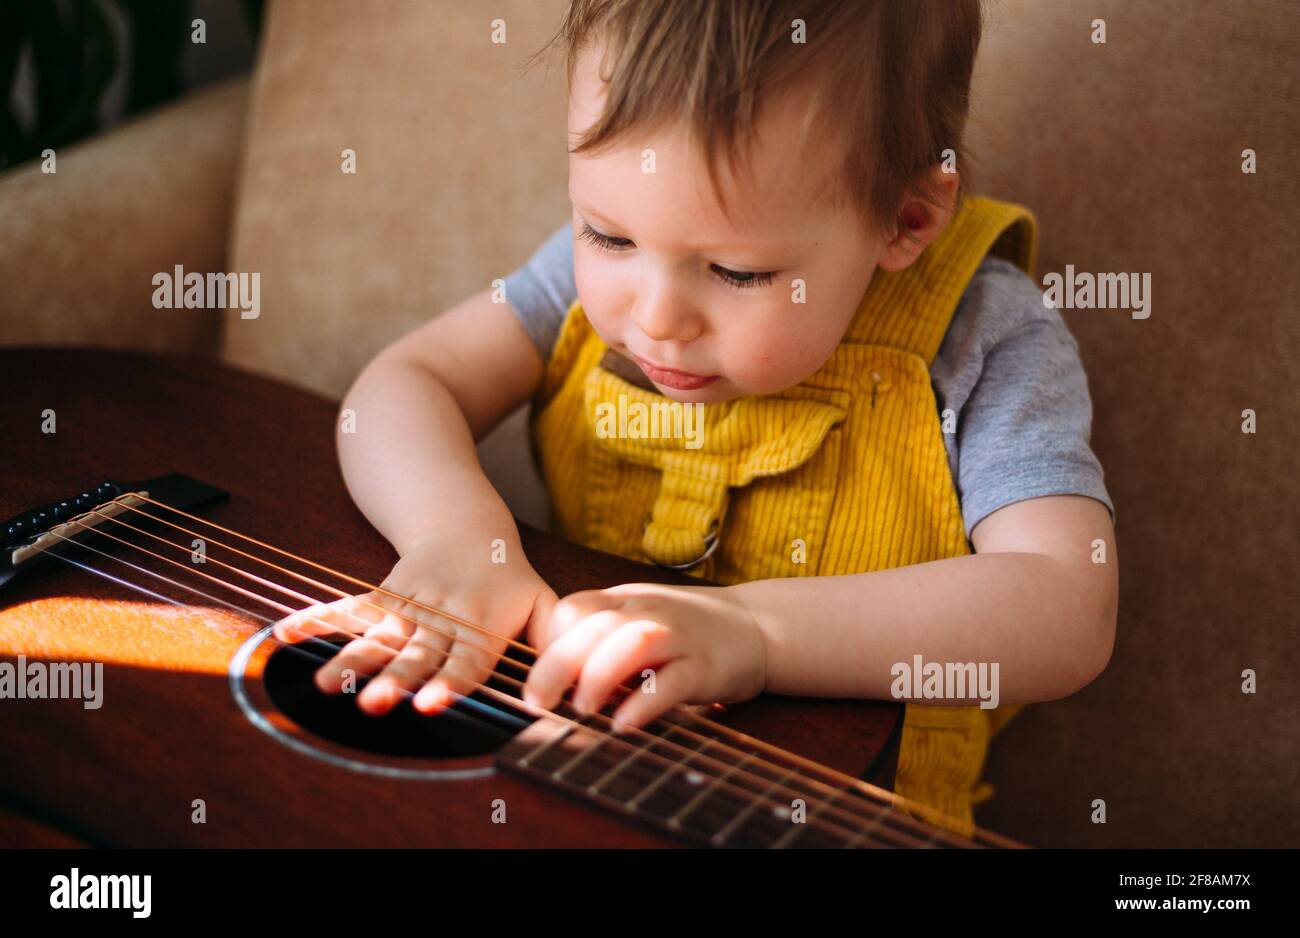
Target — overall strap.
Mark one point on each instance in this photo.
(910, 309)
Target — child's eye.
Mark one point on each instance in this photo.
(604, 242)
(741, 280)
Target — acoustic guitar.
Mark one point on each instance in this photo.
(163, 513)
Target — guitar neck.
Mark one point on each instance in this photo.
(710, 789)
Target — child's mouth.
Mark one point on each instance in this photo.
(681, 380)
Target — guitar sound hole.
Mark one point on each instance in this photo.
(470, 728)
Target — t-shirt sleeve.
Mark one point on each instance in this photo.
(542, 290)
(1023, 429)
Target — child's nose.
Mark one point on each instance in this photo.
(667, 320)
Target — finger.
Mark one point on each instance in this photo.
(391, 633)
(361, 657)
(543, 609)
(395, 617)
(403, 620)
(569, 611)
(472, 658)
(405, 673)
(559, 666)
(673, 684)
(627, 652)
(338, 617)
(319, 619)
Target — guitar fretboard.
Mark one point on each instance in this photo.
(711, 790)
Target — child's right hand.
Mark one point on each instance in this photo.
(409, 649)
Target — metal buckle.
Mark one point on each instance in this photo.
(711, 539)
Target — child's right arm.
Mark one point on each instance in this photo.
(410, 464)
(420, 405)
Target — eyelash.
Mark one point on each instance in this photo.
(606, 243)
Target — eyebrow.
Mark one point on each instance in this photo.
(783, 248)
(594, 214)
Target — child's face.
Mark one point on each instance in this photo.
(660, 293)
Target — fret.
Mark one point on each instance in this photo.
(876, 832)
(675, 821)
(897, 828)
(777, 825)
(635, 802)
(560, 773)
(820, 806)
(699, 803)
(796, 829)
(885, 834)
(527, 760)
(936, 833)
(864, 831)
(720, 838)
(620, 769)
(748, 818)
(866, 834)
(554, 733)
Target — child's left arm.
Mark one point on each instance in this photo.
(1039, 597)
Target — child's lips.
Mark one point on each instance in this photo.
(681, 380)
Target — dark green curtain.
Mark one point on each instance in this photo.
(74, 59)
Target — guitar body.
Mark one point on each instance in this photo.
(203, 716)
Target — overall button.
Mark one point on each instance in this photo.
(711, 544)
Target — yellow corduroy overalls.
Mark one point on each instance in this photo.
(844, 473)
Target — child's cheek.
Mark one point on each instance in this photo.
(598, 295)
(774, 360)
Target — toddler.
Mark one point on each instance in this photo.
(890, 480)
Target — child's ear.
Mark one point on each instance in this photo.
(919, 222)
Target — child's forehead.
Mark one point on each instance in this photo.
(771, 190)
(783, 168)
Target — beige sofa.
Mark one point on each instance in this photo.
(1129, 151)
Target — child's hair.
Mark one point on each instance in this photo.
(889, 77)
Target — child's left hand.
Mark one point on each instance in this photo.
(701, 643)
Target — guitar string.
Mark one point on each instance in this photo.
(880, 816)
(860, 786)
(857, 784)
(839, 829)
(303, 652)
(619, 765)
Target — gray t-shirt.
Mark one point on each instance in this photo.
(1008, 368)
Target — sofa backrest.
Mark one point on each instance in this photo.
(460, 173)
(1130, 152)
